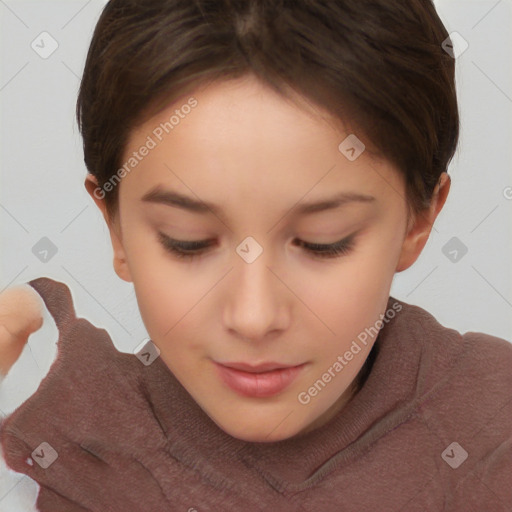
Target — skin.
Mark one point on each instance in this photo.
(20, 315)
(258, 156)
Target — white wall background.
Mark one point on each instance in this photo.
(42, 193)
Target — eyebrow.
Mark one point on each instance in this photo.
(172, 198)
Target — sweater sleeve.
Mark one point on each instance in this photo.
(78, 430)
(18, 492)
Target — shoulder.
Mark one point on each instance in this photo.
(451, 349)
(463, 379)
(487, 362)
(489, 349)
(468, 373)
(463, 397)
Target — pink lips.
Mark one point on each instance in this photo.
(261, 380)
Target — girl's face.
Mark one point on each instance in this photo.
(233, 171)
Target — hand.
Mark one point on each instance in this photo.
(20, 316)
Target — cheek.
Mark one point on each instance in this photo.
(350, 297)
(158, 286)
(172, 296)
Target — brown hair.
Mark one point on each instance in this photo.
(377, 65)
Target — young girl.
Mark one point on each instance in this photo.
(264, 169)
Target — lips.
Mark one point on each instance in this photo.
(258, 368)
(262, 380)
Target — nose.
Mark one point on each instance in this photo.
(257, 304)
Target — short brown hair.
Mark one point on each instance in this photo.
(377, 65)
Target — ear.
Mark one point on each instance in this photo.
(98, 195)
(421, 225)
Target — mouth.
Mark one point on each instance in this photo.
(262, 380)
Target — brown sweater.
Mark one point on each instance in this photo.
(430, 430)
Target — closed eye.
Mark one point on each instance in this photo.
(195, 248)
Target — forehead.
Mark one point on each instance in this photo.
(241, 138)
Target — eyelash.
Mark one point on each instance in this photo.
(193, 249)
